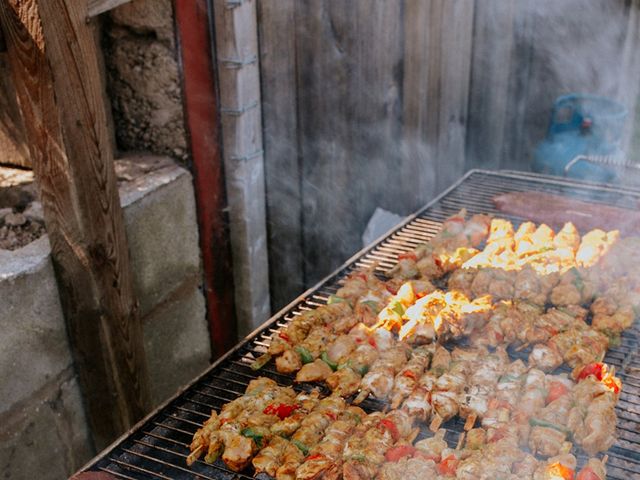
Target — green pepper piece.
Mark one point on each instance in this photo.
(261, 361)
(305, 355)
(578, 282)
(508, 378)
(398, 308)
(358, 457)
(303, 448)
(537, 422)
(375, 306)
(253, 435)
(325, 358)
(335, 299)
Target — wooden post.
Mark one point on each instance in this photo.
(236, 41)
(54, 63)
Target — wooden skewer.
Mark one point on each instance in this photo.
(193, 456)
(471, 421)
(435, 423)
(460, 441)
(605, 459)
(522, 347)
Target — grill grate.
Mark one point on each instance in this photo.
(158, 446)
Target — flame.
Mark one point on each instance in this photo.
(438, 309)
(539, 248)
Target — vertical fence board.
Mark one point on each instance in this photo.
(493, 42)
(276, 22)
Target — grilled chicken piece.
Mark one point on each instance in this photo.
(407, 378)
(325, 459)
(314, 372)
(379, 380)
(593, 418)
(433, 447)
(362, 458)
(545, 358)
(268, 460)
(308, 435)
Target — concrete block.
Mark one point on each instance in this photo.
(162, 230)
(33, 345)
(176, 339)
(45, 438)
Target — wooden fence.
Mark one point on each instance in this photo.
(386, 103)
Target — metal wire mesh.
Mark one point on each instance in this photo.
(158, 446)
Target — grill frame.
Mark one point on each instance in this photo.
(146, 451)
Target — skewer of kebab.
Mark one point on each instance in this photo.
(418, 402)
(446, 251)
(592, 419)
(363, 456)
(209, 439)
(283, 343)
(325, 459)
(308, 435)
(268, 459)
(482, 381)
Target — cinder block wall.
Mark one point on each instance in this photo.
(44, 433)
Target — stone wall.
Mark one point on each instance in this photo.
(143, 79)
(44, 432)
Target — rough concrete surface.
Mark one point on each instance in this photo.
(162, 231)
(33, 346)
(45, 438)
(174, 362)
(143, 80)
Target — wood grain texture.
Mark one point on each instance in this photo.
(13, 145)
(277, 35)
(203, 121)
(55, 70)
(488, 119)
(236, 43)
(96, 7)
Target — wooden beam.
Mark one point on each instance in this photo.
(54, 62)
(202, 115)
(96, 7)
(236, 43)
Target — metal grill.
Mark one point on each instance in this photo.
(158, 446)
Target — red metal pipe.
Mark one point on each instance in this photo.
(202, 118)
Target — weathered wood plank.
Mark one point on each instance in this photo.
(96, 7)
(276, 21)
(349, 83)
(324, 38)
(454, 53)
(236, 43)
(13, 147)
(55, 68)
(419, 134)
(487, 126)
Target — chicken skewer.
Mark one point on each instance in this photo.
(325, 459)
(454, 244)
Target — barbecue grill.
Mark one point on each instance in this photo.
(157, 447)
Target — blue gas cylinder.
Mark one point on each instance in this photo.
(586, 125)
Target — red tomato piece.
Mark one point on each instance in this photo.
(587, 473)
(556, 390)
(392, 427)
(448, 466)
(400, 451)
(595, 369)
(408, 256)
